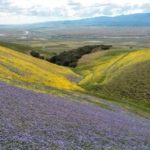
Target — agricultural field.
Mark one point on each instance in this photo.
(51, 41)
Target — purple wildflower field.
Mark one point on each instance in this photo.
(34, 121)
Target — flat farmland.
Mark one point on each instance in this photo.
(57, 40)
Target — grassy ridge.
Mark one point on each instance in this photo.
(27, 48)
(122, 76)
(17, 47)
(109, 65)
(95, 69)
(132, 82)
(24, 70)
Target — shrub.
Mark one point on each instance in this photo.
(35, 54)
(70, 58)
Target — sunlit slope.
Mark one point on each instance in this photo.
(23, 70)
(120, 74)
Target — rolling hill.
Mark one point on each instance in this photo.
(118, 75)
(23, 70)
(31, 120)
(122, 73)
(17, 47)
(122, 76)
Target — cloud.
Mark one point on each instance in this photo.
(26, 11)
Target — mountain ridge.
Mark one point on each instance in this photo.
(131, 20)
(140, 19)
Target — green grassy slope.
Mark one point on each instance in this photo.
(123, 76)
(132, 82)
(23, 70)
(27, 48)
(17, 47)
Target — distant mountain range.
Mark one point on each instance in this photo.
(133, 20)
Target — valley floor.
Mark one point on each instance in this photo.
(34, 121)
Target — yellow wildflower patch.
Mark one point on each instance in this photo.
(102, 70)
(20, 68)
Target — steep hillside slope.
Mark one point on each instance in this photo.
(38, 121)
(119, 75)
(20, 69)
(132, 82)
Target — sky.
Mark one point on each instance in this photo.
(30, 11)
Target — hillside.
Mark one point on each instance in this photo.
(17, 47)
(38, 121)
(35, 120)
(119, 75)
(23, 70)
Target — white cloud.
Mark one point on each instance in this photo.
(28, 11)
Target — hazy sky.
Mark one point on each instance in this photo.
(28, 11)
